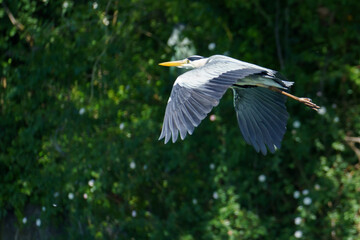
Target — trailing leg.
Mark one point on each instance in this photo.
(306, 101)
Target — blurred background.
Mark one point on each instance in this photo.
(82, 101)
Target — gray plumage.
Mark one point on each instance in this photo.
(261, 113)
(262, 117)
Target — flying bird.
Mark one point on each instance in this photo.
(259, 99)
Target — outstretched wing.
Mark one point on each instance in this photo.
(195, 93)
(262, 117)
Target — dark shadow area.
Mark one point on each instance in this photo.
(82, 100)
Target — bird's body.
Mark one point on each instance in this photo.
(259, 99)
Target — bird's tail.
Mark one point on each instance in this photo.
(279, 77)
(287, 83)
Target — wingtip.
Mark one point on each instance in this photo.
(174, 137)
(166, 140)
(275, 147)
(264, 151)
(160, 138)
(183, 135)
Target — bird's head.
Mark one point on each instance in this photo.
(189, 62)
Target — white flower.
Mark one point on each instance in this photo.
(298, 220)
(317, 187)
(105, 21)
(296, 124)
(226, 222)
(296, 194)
(215, 195)
(132, 165)
(212, 166)
(85, 196)
(24, 220)
(185, 41)
(43, 208)
(305, 192)
(298, 234)
(133, 213)
(122, 126)
(91, 182)
(307, 201)
(322, 110)
(54, 205)
(194, 201)
(71, 196)
(38, 222)
(65, 4)
(82, 111)
(212, 46)
(262, 178)
(183, 46)
(212, 117)
(95, 5)
(175, 35)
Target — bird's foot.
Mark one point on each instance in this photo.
(309, 103)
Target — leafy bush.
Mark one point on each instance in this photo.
(82, 101)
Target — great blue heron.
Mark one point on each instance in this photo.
(259, 99)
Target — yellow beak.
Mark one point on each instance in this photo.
(173, 63)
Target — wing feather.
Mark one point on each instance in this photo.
(189, 104)
(250, 123)
(258, 130)
(262, 117)
(261, 113)
(273, 119)
(189, 115)
(268, 133)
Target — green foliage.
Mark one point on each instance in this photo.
(82, 101)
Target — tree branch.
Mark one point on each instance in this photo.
(17, 24)
(277, 37)
(351, 142)
(95, 66)
(56, 145)
(13, 20)
(262, 12)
